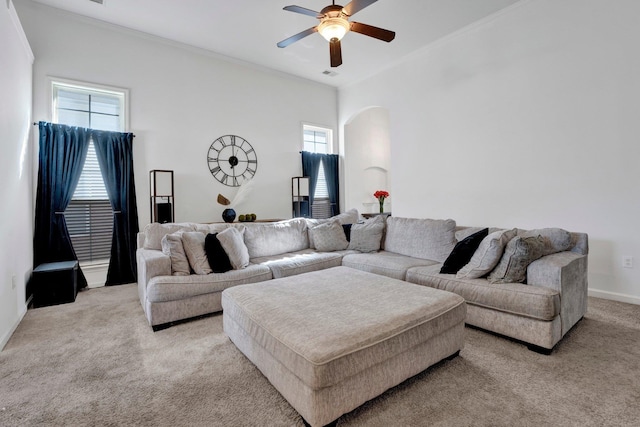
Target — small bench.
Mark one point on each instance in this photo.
(331, 340)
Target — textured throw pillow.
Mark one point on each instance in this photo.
(232, 241)
(349, 217)
(463, 251)
(172, 246)
(556, 239)
(218, 258)
(487, 255)
(193, 242)
(366, 236)
(518, 254)
(329, 237)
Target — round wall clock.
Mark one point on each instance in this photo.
(232, 160)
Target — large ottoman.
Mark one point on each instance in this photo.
(330, 340)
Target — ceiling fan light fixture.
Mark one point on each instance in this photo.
(333, 28)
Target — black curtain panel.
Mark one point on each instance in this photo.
(310, 168)
(115, 156)
(63, 150)
(332, 176)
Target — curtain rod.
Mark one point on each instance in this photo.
(36, 124)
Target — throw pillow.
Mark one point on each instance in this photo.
(232, 241)
(518, 254)
(556, 239)
(172, 246)
(366, 236)
(329, 237)
(487, 255)
(193, 242)
(347, 231)
(463, 251)
(218, 258)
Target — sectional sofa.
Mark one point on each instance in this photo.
(538, 306)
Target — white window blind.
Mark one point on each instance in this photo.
(89, 216)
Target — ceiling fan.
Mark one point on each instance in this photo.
(334, 24)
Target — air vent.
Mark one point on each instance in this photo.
(97, 1)
(329, 73)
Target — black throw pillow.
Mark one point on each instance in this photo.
(347, 231)
(462, 252)
(218, 258)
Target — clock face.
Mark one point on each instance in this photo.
(232, 160)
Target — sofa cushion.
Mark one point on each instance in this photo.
(232, 241)
(172, 246)
(431, 239)
(384, 263)
(349, 217)
(518, 254)
(276, 238)
(537, 302)
(154, 232)
(487, 255)
(193, 242)
(366, 236)
(304, 261)
(329, 237)
(217, 257)
(556, 239)
(463, 251)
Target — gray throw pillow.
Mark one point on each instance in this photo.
(487, 256)
(518, 254)
(193, 243)
(232, 241)
(366, 236)
(172, 246)
(329, 237)
(556, 239)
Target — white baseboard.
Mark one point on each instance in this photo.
(5, 339)
(614, 296)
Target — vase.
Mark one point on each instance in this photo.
(228, 215)
(381, 201)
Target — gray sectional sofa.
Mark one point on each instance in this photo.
(539, 313)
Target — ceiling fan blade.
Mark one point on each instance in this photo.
(335, 52)
(286, 42)
(356, 6)
(302, 10)
(371, 31)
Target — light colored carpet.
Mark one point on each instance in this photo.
(97, 362)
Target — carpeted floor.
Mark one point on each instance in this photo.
(97, 362)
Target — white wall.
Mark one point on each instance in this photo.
(528, 119)
(16, 226)
(182, 99)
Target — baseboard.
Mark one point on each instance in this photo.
(7, 336)
(614, 296)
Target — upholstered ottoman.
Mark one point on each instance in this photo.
(330, 340)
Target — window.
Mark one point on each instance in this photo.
(319, 140)
(89, 216)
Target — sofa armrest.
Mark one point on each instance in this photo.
(152, 263)
(565, 272)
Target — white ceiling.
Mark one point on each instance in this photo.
(248, 30)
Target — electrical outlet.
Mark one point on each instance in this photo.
(627, 261)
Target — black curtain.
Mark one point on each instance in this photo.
(115, 156)
(63, 150)
(310, 168)
(332, 176)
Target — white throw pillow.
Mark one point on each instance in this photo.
(329, 237)
(366, 236)
(487, 256)
(232, 241)
(193, 243)
(172, 246)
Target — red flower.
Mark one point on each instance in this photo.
(381, 194)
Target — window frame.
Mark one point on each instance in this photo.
(122, 94)
(316, 127)
(321, 204)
